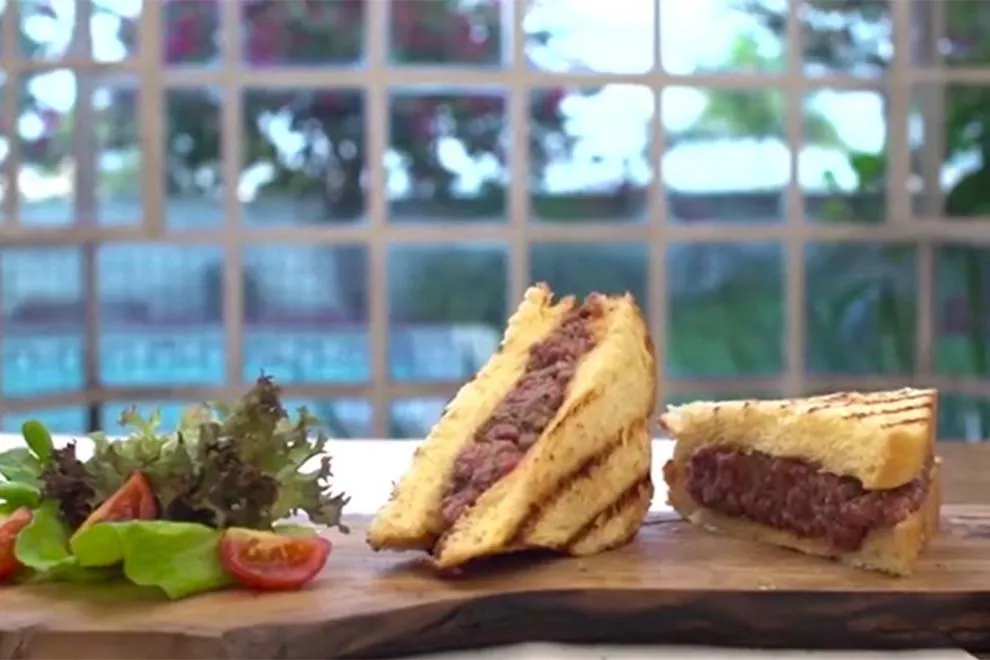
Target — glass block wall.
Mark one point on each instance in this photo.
(352, 195)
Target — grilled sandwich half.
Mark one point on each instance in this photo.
(851, 476)
(547, 447)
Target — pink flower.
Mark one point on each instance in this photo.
(483, 105)
(180, 40)
(549, 107)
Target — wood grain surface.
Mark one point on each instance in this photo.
(675, 584)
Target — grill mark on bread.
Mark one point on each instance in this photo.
(907, 407)
(905, 422)
(875, 404)
(583, 470)
(532, 517)
(876, 411)
(870, 408)
(609, 511)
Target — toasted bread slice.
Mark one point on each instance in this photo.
(412, 519)
(597, 506)
(551, 495)
(892, 550)
(883, 439)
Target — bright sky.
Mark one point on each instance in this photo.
(614, 36)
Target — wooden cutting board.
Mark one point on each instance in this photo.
(675, 584)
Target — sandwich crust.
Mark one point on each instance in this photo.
(883, 439)
(891, 550)
(582, 488)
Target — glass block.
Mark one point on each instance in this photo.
(962, 417)
(413, 418)
(963, 43)
(447, 156)
(304, 157)
(843, 165)
(7, 178)
(59, 421)
(113, 29)
(568, 36)
(190, 32)
(193, 149)
(843, 39)
(725, 36)
(949, 119)
(119, 167)
(46, 28)
(340, 418)
(306, 313)
(962, 311)
(302, 32)
(725, 310)
(45, 128)
(743, 131)
(612, 268)
(447, 309)
(161, 315)
(436, 32)
(584, 168)
(860, 306)
(43, 320)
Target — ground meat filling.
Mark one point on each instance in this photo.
(520, 418)
(796, 496)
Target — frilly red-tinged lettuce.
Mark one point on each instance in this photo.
(225, 466)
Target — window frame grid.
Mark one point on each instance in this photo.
(794, 233)
(794, 221)
(933, 118)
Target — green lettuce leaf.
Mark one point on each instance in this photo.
(43, 547)
(44, 544)
(19, 464)
(17, 493)
(181, 559)
(38, 440)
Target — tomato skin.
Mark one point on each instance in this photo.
(10, 527)
(133, 501)
(266, 561)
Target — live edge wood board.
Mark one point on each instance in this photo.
(674, 584)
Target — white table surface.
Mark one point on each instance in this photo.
(365, 470)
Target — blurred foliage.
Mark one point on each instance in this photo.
(757, 114)
(457, 285)
(618, 268)
(861, 309)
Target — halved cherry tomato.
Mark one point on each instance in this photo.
(10, 527)
(272, 562)
(132, 501)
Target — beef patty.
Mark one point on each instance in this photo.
(796, 496)
(520, 418)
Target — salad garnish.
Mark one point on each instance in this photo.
(187, 511)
